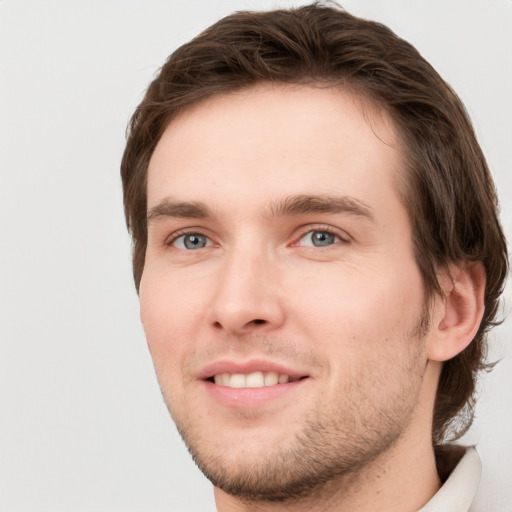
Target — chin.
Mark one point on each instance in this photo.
(254, 467)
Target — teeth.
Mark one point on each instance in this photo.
(283, 379)
(252, 380)
(238, 381)
(271, 379)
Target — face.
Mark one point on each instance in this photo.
(280, 296)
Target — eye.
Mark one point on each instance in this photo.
(319, 239)
(191, 241)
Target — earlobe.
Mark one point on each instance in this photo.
(458, 314)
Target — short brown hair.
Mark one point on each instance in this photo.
(448, 190)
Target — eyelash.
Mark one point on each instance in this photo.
(344, 238)
(178, 234)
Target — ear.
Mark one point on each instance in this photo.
(457, 315)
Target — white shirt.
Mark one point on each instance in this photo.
(458, 492)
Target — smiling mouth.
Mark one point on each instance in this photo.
(252, 380)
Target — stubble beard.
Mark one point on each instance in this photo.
(332, 446)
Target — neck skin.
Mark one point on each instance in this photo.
(403, 478)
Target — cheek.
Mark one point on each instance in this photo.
(170, 315)
(362, 308)
(363, 327)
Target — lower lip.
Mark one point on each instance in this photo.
(251, 397)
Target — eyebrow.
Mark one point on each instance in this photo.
(185, 210)
(288, 206)
(304, 204)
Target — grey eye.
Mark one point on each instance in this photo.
(191, 241)
(319, 239)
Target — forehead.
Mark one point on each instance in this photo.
(271, 141)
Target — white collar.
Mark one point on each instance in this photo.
(458, 492)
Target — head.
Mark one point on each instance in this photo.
(443, 183)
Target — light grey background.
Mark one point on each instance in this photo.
(82, 423)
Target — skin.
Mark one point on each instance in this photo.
(238, 171)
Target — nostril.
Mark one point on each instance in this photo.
(258, 321)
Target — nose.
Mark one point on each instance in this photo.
(247, 297)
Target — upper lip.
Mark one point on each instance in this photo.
(247, 367)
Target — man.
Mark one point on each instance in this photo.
(318, 257)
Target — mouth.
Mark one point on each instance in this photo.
(258, 379)
(251, 384)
